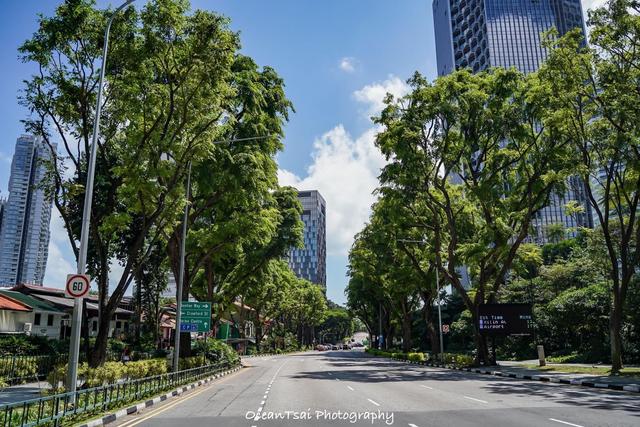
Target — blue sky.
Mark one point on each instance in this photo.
(338, 59)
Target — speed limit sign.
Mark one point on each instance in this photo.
(77, 285)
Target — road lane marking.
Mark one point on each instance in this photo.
(350, 388)
(184, 398)
(374, 402)
(165, 408)
(564, 422)
(337, 379)
(410, 425)
(426, 386)
(330, 373)
(477, 400)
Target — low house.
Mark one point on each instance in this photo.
(121, 320)
(25, 314)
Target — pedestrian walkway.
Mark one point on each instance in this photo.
(519, 368)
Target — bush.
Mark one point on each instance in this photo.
(109, 373)
(216, 351)
(19, 367)
(417, 357)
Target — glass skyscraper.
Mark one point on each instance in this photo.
(479, 34)
(24, 232)
(310, 261)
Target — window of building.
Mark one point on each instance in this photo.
(94, 326)
(36, 319)
(50, 320)
(118, 325)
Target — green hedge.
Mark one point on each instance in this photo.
(109, 372)
(449, 358)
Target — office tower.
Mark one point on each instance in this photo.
(310, 261)
(479, 34)
(24, 236)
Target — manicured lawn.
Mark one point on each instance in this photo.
(593, 370)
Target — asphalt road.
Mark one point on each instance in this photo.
(345, 388)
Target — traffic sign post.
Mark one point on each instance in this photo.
(77, 287)
(195, 316)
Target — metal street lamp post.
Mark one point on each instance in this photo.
(74, 348)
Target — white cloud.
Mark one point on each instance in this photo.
(592, 4)
(373, 95)
(345, 170)
(58, 266)
(348, 64)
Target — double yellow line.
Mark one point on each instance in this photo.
(153, 413)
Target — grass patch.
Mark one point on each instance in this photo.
(592, 370)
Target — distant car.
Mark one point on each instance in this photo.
(334, 347)
(346, 347)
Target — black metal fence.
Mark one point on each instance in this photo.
(15, 369)
(68, 408)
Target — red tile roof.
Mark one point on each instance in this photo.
(7, 303)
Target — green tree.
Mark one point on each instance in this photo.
(472, 146)
(594, 105)
(176, 83)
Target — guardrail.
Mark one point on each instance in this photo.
(58, 408)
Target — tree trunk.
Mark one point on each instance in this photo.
(406, 332)
(482, 349)
(615, 325)
(99, 353)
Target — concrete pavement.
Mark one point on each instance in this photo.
(343, 388)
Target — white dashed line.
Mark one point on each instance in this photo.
(337, 379)
(426, 386)
(374, 402)
(477, 400)
(564, 422)
(330, 373)
(410, 425)
(350, 388)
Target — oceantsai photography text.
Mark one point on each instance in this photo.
(351, 417)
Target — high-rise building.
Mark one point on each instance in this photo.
(479, 34)
(24, 234)
(310, 261)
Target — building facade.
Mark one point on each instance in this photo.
(310, 261)
(24, 235)
(479, 34)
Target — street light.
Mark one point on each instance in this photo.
(74, 348)
(439, 299)
(179, 284)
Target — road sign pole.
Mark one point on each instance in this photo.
(439, 314)
(176, 346)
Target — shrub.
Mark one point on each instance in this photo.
(417, 357)
(19, 367)
(216, 351)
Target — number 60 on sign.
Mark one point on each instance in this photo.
(77, 285)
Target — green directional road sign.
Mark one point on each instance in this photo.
(195, 317)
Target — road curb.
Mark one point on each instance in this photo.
(111, 417)
(633, 388)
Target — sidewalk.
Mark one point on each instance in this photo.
(517, 368)
(20, 392)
